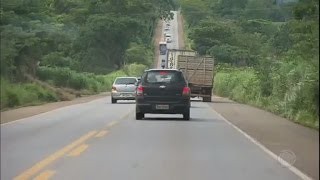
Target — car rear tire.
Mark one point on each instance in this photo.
(139, 115)
(113, 101)
(186, 115)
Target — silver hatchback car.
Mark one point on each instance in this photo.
(123, 88)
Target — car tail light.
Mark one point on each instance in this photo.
(186, 91)
(140, 90)
(114, 89)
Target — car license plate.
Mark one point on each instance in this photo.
(162, 106)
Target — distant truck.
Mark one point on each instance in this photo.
(197, 69)
(199, 73)
(172, 56)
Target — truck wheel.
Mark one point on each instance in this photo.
(186, 115)
(139, 115)
(206, 99)
(113, 100)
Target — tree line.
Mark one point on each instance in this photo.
(97, 36)
(58, 49)
(267, 52)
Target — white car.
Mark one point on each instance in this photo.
(168, 40)
(166, 28)
(123, 88)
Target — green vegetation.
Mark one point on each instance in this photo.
(66, 45)
(267, 53)
(187, 40)
(24, 94)
(67, 84)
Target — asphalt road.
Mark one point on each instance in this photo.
(173, 30)
(100, 140)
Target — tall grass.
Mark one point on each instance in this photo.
(65, 77)
(293, 90)
(134, 69)
(24, 94)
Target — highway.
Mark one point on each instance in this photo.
(173, 30)
(100, 140)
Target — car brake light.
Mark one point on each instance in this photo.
(140, 90)
(162, 73)
(186, 91)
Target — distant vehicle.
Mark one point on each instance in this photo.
(163, 48)
(123, 88)
(166, 28)
(168, 38)
(173, 54)
(168, 24)
(163, 91)
(163, 63)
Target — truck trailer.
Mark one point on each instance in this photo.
(199, 72)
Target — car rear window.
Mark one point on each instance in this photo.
(125, 81)
(164, 77)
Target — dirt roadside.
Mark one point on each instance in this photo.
(19, 113)
(296, 144)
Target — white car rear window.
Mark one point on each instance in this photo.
(125, 81)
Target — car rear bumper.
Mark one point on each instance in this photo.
(173, 108)
(123, 95)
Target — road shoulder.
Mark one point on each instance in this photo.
(277, 134)
(24, 112)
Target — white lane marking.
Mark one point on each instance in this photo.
(274, 156)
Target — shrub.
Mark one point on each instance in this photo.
(13, 95)
(65, 77)
(135, 69)
(293, 86)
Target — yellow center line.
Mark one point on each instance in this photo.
(45, 175)
(112, 123)
(53, 157)
(78, 150)
(101, 133)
